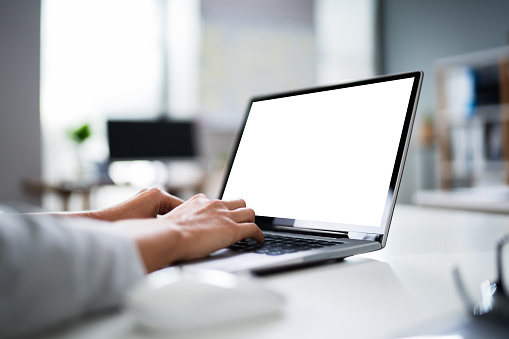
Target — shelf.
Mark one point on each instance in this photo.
(482, 114)
(473, 134)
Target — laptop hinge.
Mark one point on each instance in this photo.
(366, 236)
(307, 231)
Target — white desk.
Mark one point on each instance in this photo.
(403, 290)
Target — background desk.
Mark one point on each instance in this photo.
(482, 199)
(403, 290)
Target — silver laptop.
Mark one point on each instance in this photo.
(321, 168)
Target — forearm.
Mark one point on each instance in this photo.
(148, 203)
(109, 214)
(115, 213)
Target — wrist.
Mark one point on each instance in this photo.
(160, 246)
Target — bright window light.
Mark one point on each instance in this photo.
(100, 59)
(345, 33)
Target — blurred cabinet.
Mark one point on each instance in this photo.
(472, 123)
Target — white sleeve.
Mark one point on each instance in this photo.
(54, 270)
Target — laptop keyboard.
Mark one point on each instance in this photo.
(277, 245)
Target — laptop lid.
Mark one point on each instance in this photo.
(327, 159)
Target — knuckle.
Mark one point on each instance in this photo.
(155, 190)
(198, 197)
(223, 215)
(217, 203)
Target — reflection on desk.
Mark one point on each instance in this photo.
(406, 289)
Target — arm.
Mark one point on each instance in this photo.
(50, 272)
(148, 203)
(186, 231)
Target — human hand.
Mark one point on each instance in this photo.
(192, 230)
(148, 203)
(210, 225)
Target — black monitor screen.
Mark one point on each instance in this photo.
(150, 140)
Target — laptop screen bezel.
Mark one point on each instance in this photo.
(377, 233)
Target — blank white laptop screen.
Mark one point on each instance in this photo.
(326, 157)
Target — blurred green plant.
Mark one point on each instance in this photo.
(80, 134)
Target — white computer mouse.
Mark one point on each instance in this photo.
(175, 298)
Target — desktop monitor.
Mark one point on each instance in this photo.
(151, 140)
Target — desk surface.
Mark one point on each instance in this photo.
(403, 290)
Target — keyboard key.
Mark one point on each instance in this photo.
(277, 245)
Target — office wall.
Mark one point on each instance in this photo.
(415, 33)
(250, 48)
(20, 153)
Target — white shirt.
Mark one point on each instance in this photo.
(53, 270)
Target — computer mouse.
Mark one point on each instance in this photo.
(176, 298)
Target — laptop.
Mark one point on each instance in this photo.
(321, 168)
